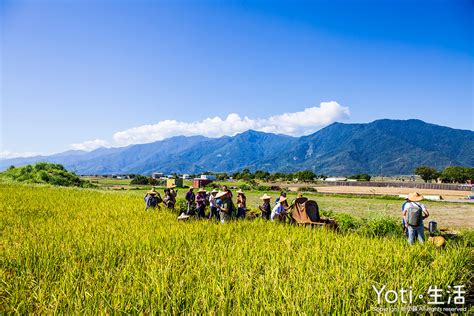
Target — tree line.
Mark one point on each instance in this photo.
(452, 174)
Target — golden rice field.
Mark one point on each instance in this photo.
(66, 250)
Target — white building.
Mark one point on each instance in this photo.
(208, 177)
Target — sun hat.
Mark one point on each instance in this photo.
(214, 191)
(152, 191)
(221, 194)
(202, 190)
(265, 197)
(282, 199)
(415, 197)
(240, 191)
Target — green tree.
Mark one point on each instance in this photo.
(457, 174)
(305, 176)
(427, 173)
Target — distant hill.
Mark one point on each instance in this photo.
(390, 147)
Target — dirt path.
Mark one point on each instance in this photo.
(446, 194)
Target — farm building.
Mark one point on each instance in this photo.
(200, 183)
(208, 177)
(178, 182)
(157, 175)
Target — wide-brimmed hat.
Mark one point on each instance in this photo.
(214, 191)
(282, 199)
(221, 194)
(152, 191)
(415, 197)
(202, 190)
(265, 197)
(240, 191)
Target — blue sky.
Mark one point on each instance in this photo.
(79, 74)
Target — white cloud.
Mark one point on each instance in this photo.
(90, 145)
(6, 154)
(295, 124)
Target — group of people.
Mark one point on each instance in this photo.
(221, 205)
(153, 198)
(222, 208)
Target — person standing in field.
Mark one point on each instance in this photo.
(283, 193)
(173, 192)
(229, 192)
(201, 203)
(190, 197)
(152, 199)
(169, 199)
(214, 212)
(241, 204)
(225, 206)
(265, 207)
(279, 209)
(414, 213)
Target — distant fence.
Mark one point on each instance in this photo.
(432, 186)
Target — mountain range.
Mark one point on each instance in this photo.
(389, 147)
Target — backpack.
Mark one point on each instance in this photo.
(414, 215)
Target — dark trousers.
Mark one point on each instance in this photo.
(214, 212)
(240, 212)
(201, 211)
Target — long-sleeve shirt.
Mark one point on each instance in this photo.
(200, 200)
(212, 201)
(241, 201)
(190, 196)
(277, 210)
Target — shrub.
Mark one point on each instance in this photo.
(245, 187)
(379, 225)
(263, 188)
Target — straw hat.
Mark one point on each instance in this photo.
(240, 191)
(214, 191)
(415, 197)
(201, 190)
(282, 199)
(221, 194)
(265, 197)
(152, 192)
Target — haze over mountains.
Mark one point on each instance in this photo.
(389, 147)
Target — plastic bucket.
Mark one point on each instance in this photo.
(433, 227)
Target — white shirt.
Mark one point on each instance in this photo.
(212, 201)
(277, 209)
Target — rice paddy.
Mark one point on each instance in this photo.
(69, 250)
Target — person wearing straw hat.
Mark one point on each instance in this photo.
(213, 210)
(173, 192)
(169, 199)
(414, 213)
(265, 207)
(152, 199)
(201, 203)
(190, 197)
(241, 204)
(225, 206)
(279, 209)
